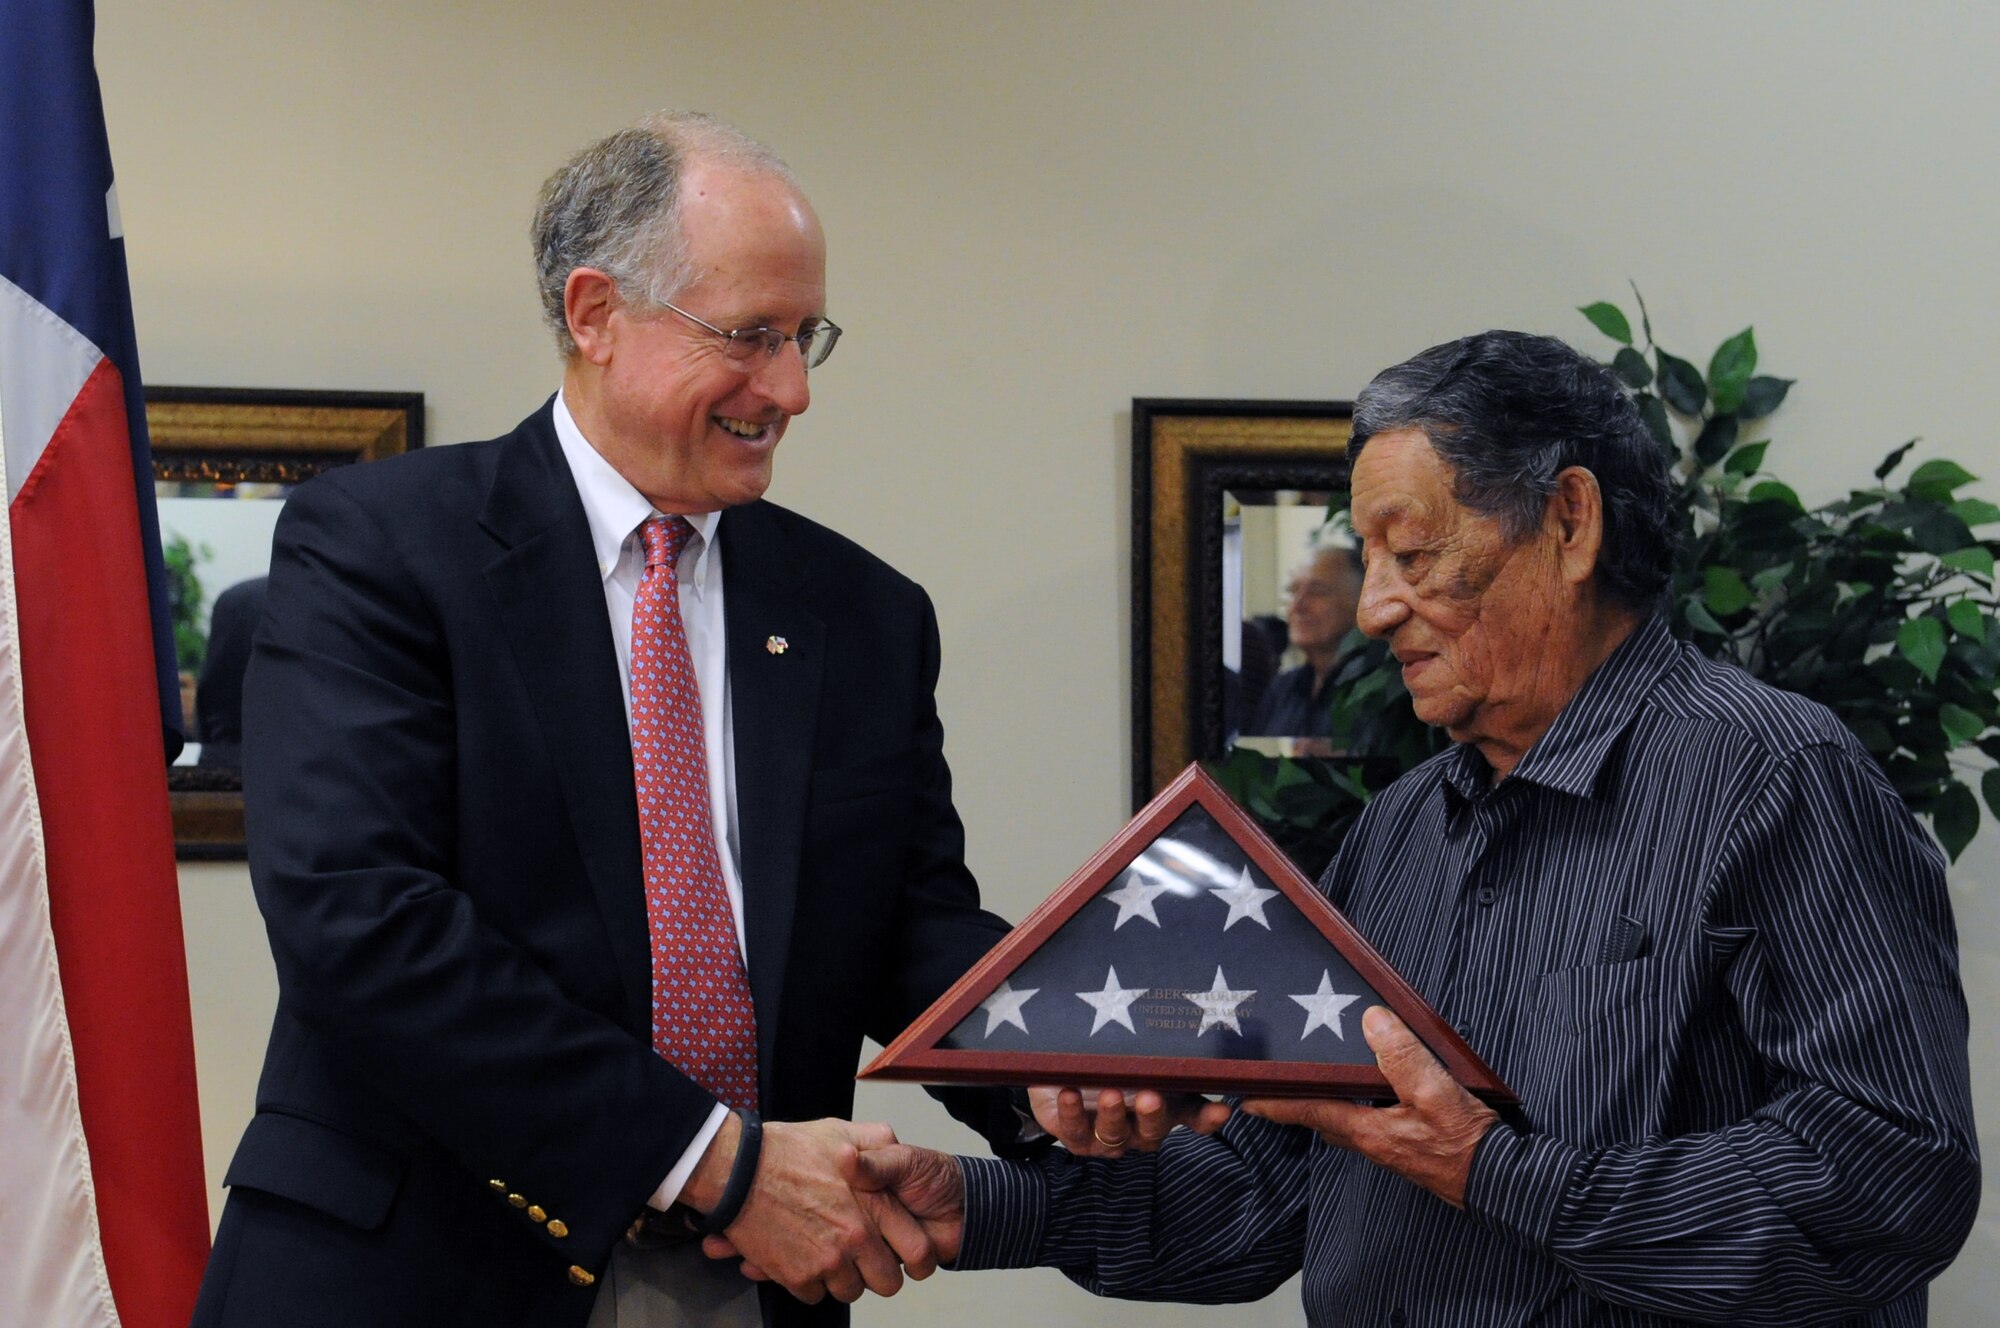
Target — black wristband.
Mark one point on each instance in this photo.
(749, 1147)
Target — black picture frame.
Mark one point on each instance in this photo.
(1186, 453)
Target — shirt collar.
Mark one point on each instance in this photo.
(1571, 755)
(611, 505)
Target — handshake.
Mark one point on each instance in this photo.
(840, 1207)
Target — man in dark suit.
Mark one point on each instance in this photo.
(485, 1065)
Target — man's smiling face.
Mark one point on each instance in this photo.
(688, 427)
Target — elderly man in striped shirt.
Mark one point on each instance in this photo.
(1680, 912)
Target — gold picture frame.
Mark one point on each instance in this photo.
(1186, 455)
(224, 436)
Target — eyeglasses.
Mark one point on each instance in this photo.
(741, 346)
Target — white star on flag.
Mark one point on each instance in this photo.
(1004, 1007)
(1113, 1004)
(1218, 1005)
(1323, 1007)
(1135, 900)
(1245, 901)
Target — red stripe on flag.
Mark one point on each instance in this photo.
(87, 676)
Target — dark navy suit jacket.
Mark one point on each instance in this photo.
(459, 1104)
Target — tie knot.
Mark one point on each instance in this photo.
(664, 537)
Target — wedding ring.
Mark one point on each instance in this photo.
(1119, 1142)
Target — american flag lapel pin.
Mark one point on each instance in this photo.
(777, 645)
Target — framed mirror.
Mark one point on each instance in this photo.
(223, 460)
(1228, 510)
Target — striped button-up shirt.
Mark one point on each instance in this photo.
(1701, 937)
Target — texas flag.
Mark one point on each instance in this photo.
(102, 1198)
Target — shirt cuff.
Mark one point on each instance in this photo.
(1006, 1208)
(677, 1179)
(1517, 1183)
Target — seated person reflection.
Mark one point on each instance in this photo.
(218, 696)
(1319, 613)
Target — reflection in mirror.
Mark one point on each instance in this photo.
(224, 459)
(217, 538)
(1290, 581)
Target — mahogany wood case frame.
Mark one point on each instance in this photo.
(230, 435)
(918, 1055)
(1185, 454)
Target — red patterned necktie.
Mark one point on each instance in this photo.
(703, 1020)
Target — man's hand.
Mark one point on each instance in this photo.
(915, 1196)
(1427, 1137)
(804, 1227)
(921, 1184)
(1116, 1125)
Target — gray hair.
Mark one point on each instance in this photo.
(616, 206)
(1509, 412)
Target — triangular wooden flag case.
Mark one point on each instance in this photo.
(1188, 954)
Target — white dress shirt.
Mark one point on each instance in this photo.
(615, 511)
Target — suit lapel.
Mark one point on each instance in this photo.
(776, 661)
(551, 605)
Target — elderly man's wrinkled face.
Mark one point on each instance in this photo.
(1466, 611)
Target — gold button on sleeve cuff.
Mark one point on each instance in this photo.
(516, 1201)
(558, 1228)
(537, 1213)
(579, 1276)
(497, 1186)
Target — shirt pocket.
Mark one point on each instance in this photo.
(1583, 999)
(1599, 1050)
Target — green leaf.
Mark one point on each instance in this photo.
(1875, 737)
(1966, 619)
(1771, 578)
(1989, 784)
(1893, 460)
(1680, 384)
(1975, 511)
(1726, 593)
(1730, 368)
(1235, 771)
(1290, 774)
(1895, 673)
(1655, 416)
(1955, 817)
(1717, 436)
(1972, 559)
(1959, 724)
(1936, 530)
(1631, 368)
(1935, 479)
(1922, 642)
(1747, 459)
(1701, 620)
(1775, 491)
(1762, 395)
(1610, 320)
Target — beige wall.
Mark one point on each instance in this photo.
(1040, 211)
